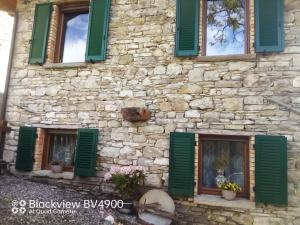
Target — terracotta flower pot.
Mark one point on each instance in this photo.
(56, 168)
(228, 195)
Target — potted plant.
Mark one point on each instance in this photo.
(128, 180)
(56, 166)
(229, 190)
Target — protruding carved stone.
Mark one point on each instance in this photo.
(135, 114)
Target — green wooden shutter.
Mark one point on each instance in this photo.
(269, 25)
(98, 30)
(271, 169)
(40, 33)
(187, 27)
(26, 146)
(181, 167)
(86, 152)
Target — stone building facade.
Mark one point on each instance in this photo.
(203, 95)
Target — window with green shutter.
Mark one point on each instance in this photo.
(271, 169)
(26, 147)
(187, 27)
(98, 31)
(86, 152)
(181, 166)
(269, 25)
(40, 33)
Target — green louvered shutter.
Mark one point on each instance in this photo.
(271, 169)
(187, 27)
(26, 146)
(86, 152)
(40, 33)
(181, 166)
(269, 25)
(98, 30)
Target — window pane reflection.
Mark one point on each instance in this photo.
(225, 27)
(227, 156)
(75, 37)
(62, 148)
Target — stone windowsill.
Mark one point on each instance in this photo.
(65, 65)
(226, 58)
(212, 200)
(48, 173)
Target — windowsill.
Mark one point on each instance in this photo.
(223, 58)
(64, 65)
(212, 200)
(48, 173)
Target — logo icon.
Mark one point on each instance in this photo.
(18, 207)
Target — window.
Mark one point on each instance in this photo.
(60, 145)
(225, 27)
(226, 156)
(72, 33)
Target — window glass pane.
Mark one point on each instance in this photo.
(224, 156)
(75, 37)
(62, 148)
(225, 27)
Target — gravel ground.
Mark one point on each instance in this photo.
(16, 188)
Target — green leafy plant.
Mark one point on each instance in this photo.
(127, 179)
(230, 186)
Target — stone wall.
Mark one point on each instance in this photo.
(210, 215)
(202, 95)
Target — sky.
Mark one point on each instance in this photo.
(230, 46)
(6, 25)
(75, 39)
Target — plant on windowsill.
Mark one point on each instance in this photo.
(57, 166)
(229, 190)
(128, 182)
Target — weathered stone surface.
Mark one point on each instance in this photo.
(179, 105)
(241, 66)
(159, 70)
(233, 104)
(110, 152)
(251, 80)
(196, 75)
(296, 82)
(254, 100)
(90, 82)
(268, 221)
(153, 180)
(126, 93)
(211, 76)
(165, 106)
(192, 114)
(212, 117)
(145, 162)
(139, 138)
(191, 89)
(151, 152)
(53, 90)
(127, 151)
(153, 129)
(120, 133)
(161, 161)
(174, 69)
(202, 103)
(229, 84)
(164, 143)
(134, 102)
(125, 59)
